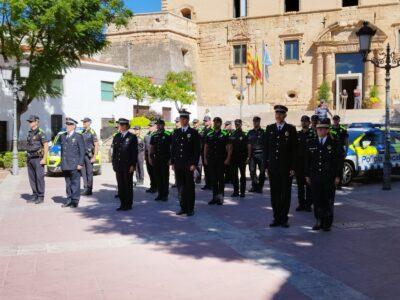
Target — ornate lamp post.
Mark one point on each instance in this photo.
(241, 89)
(387, 61)
(14, 76)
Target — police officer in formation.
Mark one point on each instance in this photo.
(91, 151)
(199, 168)
(303, 189)
(150, 170)
(339, 133)
(217, 155)
(160, 155)
(207, 128)
(239, 143)
(323, 170)
(281, 147)
(124, 161)
(140, 164)
(185, 153)
(73, 152)
(37, 149)
(256, 145)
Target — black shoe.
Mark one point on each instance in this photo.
(173, 186)
(308, 209)
(235, 194)
(74, 204)
(242, 195)
(220, 202)
(164, 199)
(127, 208)
(275, 224)
(120, 208)
(151, 191)
(206, 187)
(116, 196)
(39, 200)
(32, 199)
(259, 191)
(326, 229)
(252, 190)
(158, 198)
(316, 227)
(181, 212)
(300, 208)
(190, 213)
(212, 202)
(67, 204)
(285, 224)
(198, 181)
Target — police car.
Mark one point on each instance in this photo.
(54, 157)
(366, 151)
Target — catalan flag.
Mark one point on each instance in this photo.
(250, 66)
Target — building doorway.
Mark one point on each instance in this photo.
(3, 136)
(348, 82)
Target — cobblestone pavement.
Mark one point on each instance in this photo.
(228, 252)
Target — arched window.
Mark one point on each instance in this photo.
(186, 13)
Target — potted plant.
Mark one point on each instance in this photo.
(374, 100)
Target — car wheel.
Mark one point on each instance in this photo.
(348, 173)
(98, 172)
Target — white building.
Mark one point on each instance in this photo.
(87, 92)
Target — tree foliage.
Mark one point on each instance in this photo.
(324, 91)
(54, 35)
(134, 87)
(177, 87)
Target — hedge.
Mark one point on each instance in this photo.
(6, 159)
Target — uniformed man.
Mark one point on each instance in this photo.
(124, 161)
(72, 161)
(323, 170)
(37, 149)
(314, 122)
(140, 164)
(153, 183)
(203, 134)
(339, 133)
(199, 168)
(217, 155)
(281, 146)
(185, 153)
(92, 149)
(256, 144)
(228, 169)
(303, 189)
(177, 123)
(160, 153)
(239, 159)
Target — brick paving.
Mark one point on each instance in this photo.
(228, 252)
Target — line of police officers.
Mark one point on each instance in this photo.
(313, 155)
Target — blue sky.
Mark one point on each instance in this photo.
(143, 6)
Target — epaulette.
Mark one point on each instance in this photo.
(211, 132)
(92, 131)
(41, 130)
(167, 132)
(224, 132)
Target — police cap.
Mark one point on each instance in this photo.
(256, 119)
(305, 118)
(33, 118)
(227, 123)
(87, 120)
(176, 119)
(206, 119)
(314, 118)
(336, 117)
(195, 121)
(325, 123)
(137, 128)
(218, 120)
(281, 109)
(122, 121)
(70, 121)
(238, 122)
(184, 114)
(160, 122)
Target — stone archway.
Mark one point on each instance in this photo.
(340, 37)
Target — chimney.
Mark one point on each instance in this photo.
(164, 5)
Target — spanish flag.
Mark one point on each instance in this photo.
(258, 69)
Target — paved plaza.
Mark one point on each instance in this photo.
(228, 252)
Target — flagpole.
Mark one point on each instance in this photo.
(255, 86)
(263, 75)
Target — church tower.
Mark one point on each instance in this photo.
(164, 5)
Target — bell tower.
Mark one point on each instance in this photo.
(164, 5)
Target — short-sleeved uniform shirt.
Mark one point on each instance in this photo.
(161, 141)
(36, 140)
(217, 142)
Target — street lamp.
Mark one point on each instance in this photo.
(15, 83)
(387, 61)
(241, 89)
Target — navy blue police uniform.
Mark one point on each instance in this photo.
(185, 153)
(203, 137)
(90, 138)
(72, 156)
(280, 153)
(256, 141)
(149, 167)
(124, 158)
(35, 152)
(239, 140)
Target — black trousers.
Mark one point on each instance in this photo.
(304, 193)
(207, 175)
(125, 188)
(36, 176)
(87, 173)
(257, 161)
(239, 167)
(161, 173)
(140, 168)
(73, 185)
(186, 187)
(281, 193)
(216, 167)
(199, 171)
(323, 195)
(150, 171)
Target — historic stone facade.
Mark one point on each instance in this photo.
(200, 35)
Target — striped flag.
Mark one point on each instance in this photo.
(267, 62)
(250, 66)
(258, 69)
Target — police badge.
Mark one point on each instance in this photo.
(329, 147)
(189, 135)
(287, 133)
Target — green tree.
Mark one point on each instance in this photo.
(323, 91)
(177, 87)
(53, 35)
(134, 87)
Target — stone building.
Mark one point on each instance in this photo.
(309, 41)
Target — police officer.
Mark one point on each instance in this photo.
(256, 144)
(199, 168)
(185, 153)
(281, 146)
(160, 153)
(72, 161)
(228, 169)
(37, 149)
(140, 163)
(339, 133)
(314, 122)
(92, 149)
(207, 128)
(217, 155)
(303, 189)
(239, 159)
(152, 128)
(124, 160)
(323, 171)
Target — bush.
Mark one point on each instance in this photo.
(152, 115)
(323, 92)
(140, 121)
(6, 160)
